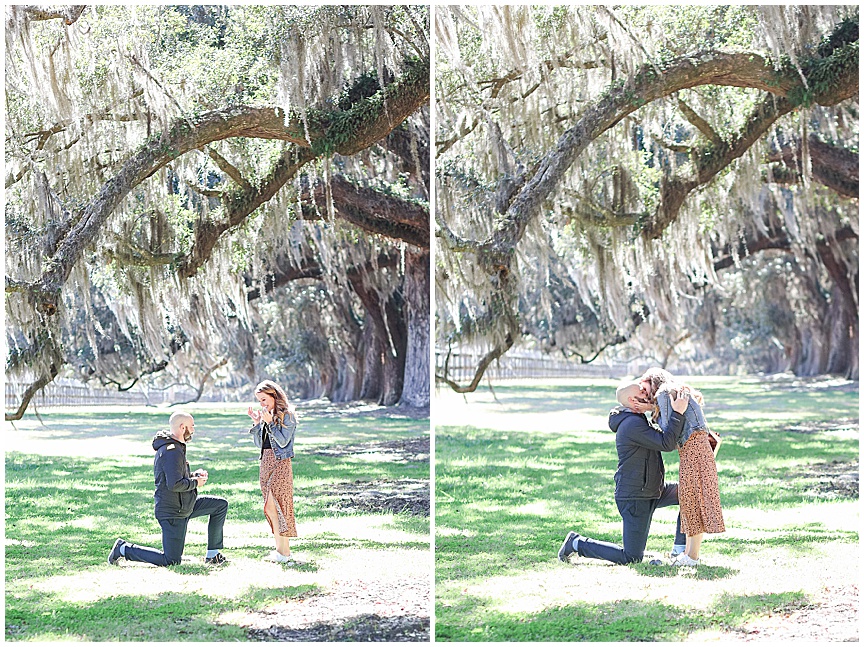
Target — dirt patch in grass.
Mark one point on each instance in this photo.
(821, 426)
(393, 611)
(384, 495)
(409, 450)
(326, 409)
(793, 384)
(404, 495)
(834, 618)
(837, 479)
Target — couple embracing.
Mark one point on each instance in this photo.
(677, 421)
(176, 494)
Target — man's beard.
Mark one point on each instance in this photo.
(187, 436)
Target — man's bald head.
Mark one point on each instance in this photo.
(631, 395)
(627, 390)
(182, 425)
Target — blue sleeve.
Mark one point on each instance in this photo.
(695, 416)
(283, 433)
(664, 403)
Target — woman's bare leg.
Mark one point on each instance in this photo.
(282, 544)
(693, 544)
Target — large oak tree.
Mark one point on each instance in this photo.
(159, 159)
(596, 166)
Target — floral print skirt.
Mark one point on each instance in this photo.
(698, 492)
(277, 479)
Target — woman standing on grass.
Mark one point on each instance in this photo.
(698, 491)
(273, 433)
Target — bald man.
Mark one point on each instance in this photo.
(639, 480)
(177, 501)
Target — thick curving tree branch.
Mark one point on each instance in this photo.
(775, 238)
(736, 69)
(346, 132)
(373, 211)
(832, 166)
(484, 363)
(70, 14)
(44, 344)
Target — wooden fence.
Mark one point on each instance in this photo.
(80, 394)
(461, 367)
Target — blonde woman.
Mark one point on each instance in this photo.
(273, 433)
(698, 491)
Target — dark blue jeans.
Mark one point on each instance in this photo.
(637, 515)
(174, 533)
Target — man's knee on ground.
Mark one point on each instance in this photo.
(633, 558)
(173, 561)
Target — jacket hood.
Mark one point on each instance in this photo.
(618, 415)
(162, 438)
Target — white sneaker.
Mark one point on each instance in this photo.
(277, 557)
(684, 560)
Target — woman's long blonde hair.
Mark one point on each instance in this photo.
(659, 379)
(280, 400)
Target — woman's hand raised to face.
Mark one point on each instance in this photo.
(679, 404)
(255, 414)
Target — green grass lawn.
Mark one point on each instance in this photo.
(76, 483)
(517, 470)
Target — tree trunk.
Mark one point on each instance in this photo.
(843, 311)
(373, 370)
(395, 348)
(415, 390)
(345, 383)
(387, 322)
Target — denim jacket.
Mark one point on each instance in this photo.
(281, 436)
(694, 419)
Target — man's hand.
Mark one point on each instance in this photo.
(200, 476)
(679, 404)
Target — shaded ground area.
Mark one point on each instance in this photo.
(834, 480)
(791, 383)
(406, 450)
(351, 611)
(832, 619)
(403, 495)
(821, 426)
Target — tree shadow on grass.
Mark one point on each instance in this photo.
(361, 628)
(37, 615)
(626, 620)
(700, 572)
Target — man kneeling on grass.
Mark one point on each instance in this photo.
(177, 501)
(640, 487)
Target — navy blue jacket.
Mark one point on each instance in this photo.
(176, 490)
(640, 473)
